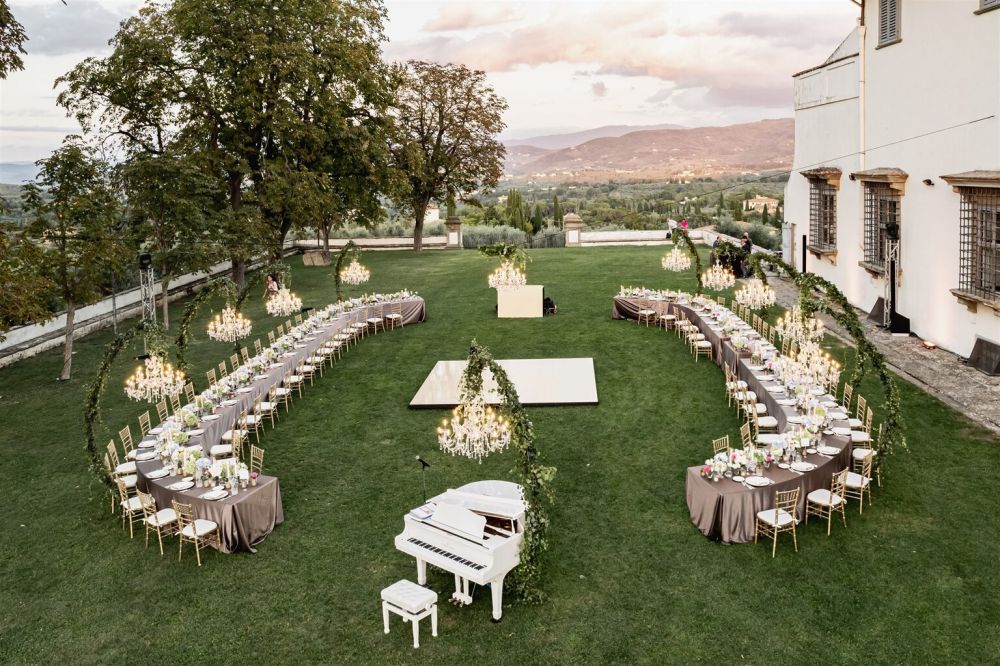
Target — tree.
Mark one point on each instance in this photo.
(74, 211)
(12, 39)
(763, 216)
(28, 300)
(515, 211)
(537, 220)
(447, 121)
(557, 211)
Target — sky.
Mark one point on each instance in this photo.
(562, 65)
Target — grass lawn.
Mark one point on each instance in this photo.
(629, 579)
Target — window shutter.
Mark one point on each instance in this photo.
(888, 21)
(986, 4)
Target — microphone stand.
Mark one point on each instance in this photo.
(423, 476)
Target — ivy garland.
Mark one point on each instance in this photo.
(685, 242)
(220, 285)
(153, 334)
(819, 295)
(350, 249)
(535, 478)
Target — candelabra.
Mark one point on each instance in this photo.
(475, 430)
(676, 261)
(799, 327)
(755, 295)
(283, 303)
(508, 275)
(230, 326)
(718, 277)
(155, 381)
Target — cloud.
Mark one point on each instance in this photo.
(465, 17)
(80, 26)
(599, 89)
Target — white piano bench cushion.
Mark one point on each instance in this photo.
(409, 596)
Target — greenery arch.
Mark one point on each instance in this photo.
(535, 478)
(153, 334)
(683, 241)
(349, 250)
(218, 286)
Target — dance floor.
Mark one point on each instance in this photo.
(539, 381)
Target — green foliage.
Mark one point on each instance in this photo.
(350, 250)
(535, 478)
(506, 252)
(476, 236)
(442, 149)
(557, 211)
(223, 286)
(683, 240)
(28, 301)
(12, 39)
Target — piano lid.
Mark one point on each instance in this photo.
(459, 521)
(495, 498)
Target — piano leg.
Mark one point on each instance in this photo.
(421, 571)
(496, 589)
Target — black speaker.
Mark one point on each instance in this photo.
(892, 231)
(145, 261)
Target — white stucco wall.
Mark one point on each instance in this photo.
(944, 72)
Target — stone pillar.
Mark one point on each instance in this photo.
(453, 225)
(572, 224)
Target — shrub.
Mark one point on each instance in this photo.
(551, 236)
(475, 236)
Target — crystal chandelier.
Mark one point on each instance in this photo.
(755, 295)
(818, 364)
(230, 326)
(475, 430)
(676, 261)
(718, 277)
(283, 303)
(154, 382)
(508, 275)
(355, 274)
(799, 327)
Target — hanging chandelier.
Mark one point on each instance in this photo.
(475, 430)
(797, 326)
(230, 326)
(508, 275)
(676, 261)
(718, 277)
(756, 295)
(355, 273)
(155, 381)
(283, 303)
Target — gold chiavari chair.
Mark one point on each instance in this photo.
(125, 435)
(721, 444)
(859, 482)
(144, 424)
(270, 337)
(250, 422)
(288, 324)
(189, 393)
(281, 330)
(785, 346)
(245, 355)
(293, 382)
(131, 508)
(210, 376)
(395, 316)
(256, 459)
(223, 372)
(194, 530)
(267, 408)
(257, 347)
(175, 402)
(772, 335)
(359, 326)
(283, 393)
(861, 452)
(701, 347)
(762, 423)
(163, 522)
(161, 410)
(863, 437)
(229, 438)
(306, 371)
(756, 323)
(377, 319)
(734, 386)
(234, 361)
(824, 503)
(645, 315)
(668, 319)
(333, 348)
(847, 397)
(345, 337)
(298, 319)
(721, 300)
(859, 413)
(746, 436)
(782, 518)
(120, 469)
(317, 360)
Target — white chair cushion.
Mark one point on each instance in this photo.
(859, 436)
(266, 406)
(125, 468)
(856, 482)
(737, 385)
(647, 313)
(252, 419)
(861, 454)
(409, 596)
(228, 435)
(704, 344)
(132, 505)
(668, 317)
(855, 423)
(129, 481)
(162, 517)
(131, 454)
(767, 421)
(746, 395)
(307, 368)
(824, 497)
(782, 519)
(294, 379)
(697, 336)
(199, 528)
(394, 315)
(221, 450)
(282, 391)
(374, 320)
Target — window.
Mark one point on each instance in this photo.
(888, 22)
(985, 5)
(881, 210)
(979, 242)
(822, 215)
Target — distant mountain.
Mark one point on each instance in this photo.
(16, 173)
(765, 145)
(569, 139)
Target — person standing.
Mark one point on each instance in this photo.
(270, 288)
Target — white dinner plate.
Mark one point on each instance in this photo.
(158, 473)
(259, 377)
(775, 389)
(145, 455)
(810, 451)
(816, 390)
(827, 432)
(196, 432)
(827, 450)
(738, 479)
(156, 431)
(147, 444)
(276, 366)
(830, 404)
(803, 466)
(181, 485)
(843, 432)
(757, 481)
(211, 417)
(766, 378)
(782, 465)
(229, 403)
(220, 493)
(795, 419)
(786, 402)
(838, 416)
(245, 389)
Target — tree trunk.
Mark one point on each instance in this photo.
(67, 368)
(239, 273)
(326, 239)
(165, 301)
(419, 210)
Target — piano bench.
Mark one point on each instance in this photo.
(412, 603)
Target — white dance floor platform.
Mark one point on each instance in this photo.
(539, 381)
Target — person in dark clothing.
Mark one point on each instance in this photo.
(747, 246)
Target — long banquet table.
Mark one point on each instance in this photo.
(247, 517)
(725, 510)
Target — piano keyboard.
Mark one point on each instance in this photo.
(444, 553)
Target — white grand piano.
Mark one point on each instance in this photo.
(475, 532)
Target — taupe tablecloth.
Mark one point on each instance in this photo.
(725, 510)
(246, 518)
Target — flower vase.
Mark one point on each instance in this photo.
(235, 490)
(253, 482)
